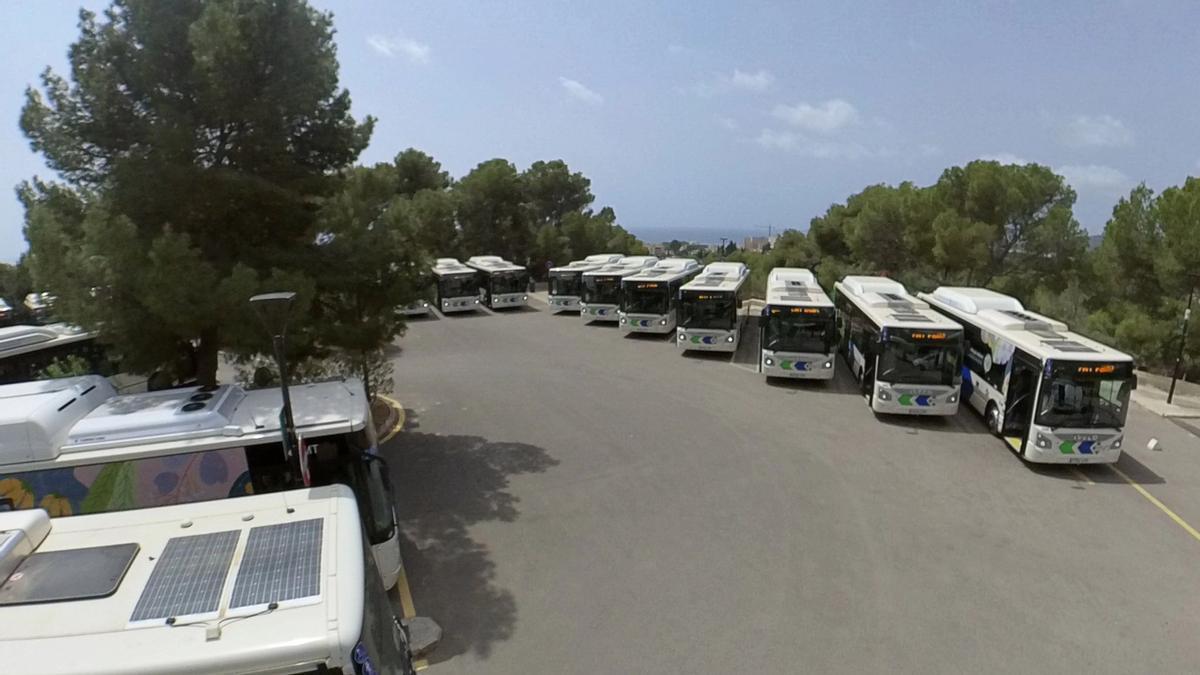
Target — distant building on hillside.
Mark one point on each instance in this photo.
(759, 244)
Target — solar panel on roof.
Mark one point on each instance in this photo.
(1067, 346)
(281, 562)
(188, 577)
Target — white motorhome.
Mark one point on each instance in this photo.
(566, 282)
(905, 355)
(601, 297)
(650, 298)
(501, 283)
(275, 583)
(1054, 396)
(73, 446)
(710, 316)
(457, 286)
(798, 329)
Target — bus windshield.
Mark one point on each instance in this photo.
(705, 309)
(509, 282)
(565, 283)
(602, 290)
(645, 297)
(1085, 395)
(921, 357)
(799, 329)
(458, 286)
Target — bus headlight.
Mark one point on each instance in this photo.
(1042, 441)
(623, 320)
(952, 398)
(477, 301)
(769, 361)
(662, 322)
(425, 305)
(729, 338)
(1117, 443)
(445, 303)
(683, 336)
(526, 297)
(884, 395)
(828, 365)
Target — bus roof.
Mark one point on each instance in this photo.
(448, 266)
(626, 266)
(795, 287)
(718, 277)
(81, 420)
(592, 262)
(1041, 336)
(888, 304)
(493, 263)
(17, 340)
(667, 269)
(205, 564)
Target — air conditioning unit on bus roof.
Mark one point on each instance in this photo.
(172, 413)
(36, 417)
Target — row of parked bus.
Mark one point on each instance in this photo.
(1053, 395)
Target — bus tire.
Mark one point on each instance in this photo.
(994, 423)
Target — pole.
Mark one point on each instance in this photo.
(288, 423)
(1187, 313)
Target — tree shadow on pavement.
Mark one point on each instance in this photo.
(444, 485)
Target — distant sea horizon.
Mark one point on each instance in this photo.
(699, 235)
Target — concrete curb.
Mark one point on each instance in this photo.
(395, 420)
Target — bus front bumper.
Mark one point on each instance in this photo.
(911, 399)
(564, 303)
(797, 366)
(1071, 446)
(590, 313)
(706, 340)
(506, 300)
(466, 304)
(419, 308)
(646, 323)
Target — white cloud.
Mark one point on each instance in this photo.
(416, 52)
(1100, 131)
(1004, 158)
(729, 123)
(803, 145)
(758, 81)
(722, 83)
(578, 91)
(1095, 178)
(823, 118)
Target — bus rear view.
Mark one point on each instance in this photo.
(906, 357)
(798, 331)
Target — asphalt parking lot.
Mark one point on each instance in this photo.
(575, 501)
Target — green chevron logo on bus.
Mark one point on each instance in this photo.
(922, 400)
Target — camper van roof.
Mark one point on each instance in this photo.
(73, 420)
(300, 551)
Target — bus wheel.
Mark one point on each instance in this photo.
(993, 420)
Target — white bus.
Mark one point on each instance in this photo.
(710, 308)
(457, 286)
(26, 351)
(278, 583)
(650, 298)
(73, 446)
(601, 297)
(40, 306)
(798, 329)
(566, 283)
(907, 357)
(1053, 395)
(501, 283)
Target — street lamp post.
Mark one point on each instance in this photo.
(273, 310)
(1187, 314)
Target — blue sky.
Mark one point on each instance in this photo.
(718, 119)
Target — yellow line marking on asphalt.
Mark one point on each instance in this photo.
(1083, 476)
(1161, 507)
(400, 420)
(405, 593)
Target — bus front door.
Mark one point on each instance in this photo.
(1019, 400)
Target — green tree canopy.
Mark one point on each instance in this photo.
(195, 139)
